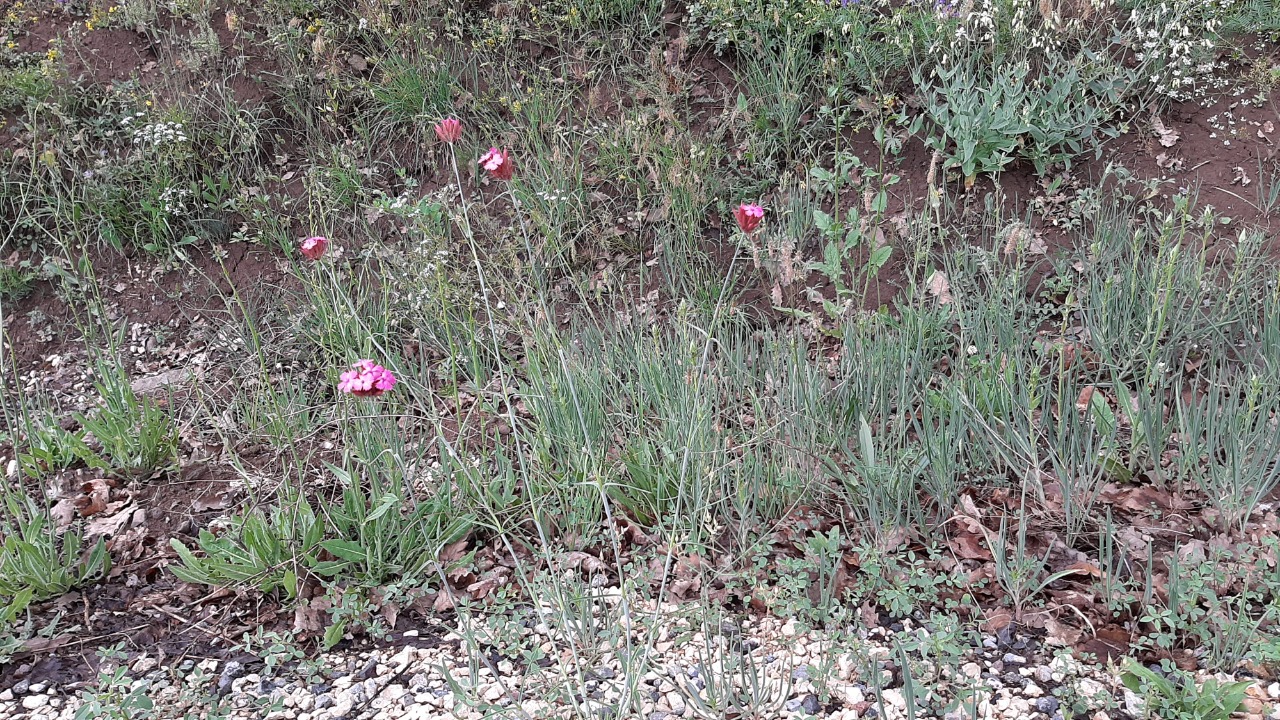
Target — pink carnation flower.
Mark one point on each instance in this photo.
(748, 217)
(313, 248)
(498, 163)
(366, 379)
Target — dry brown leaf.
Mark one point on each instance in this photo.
(579, 560)
(1086, 397)
(108, 524)
(96, 494)
(940, 287)
(1167, 136)
(62, 513)
(492, 580)
(969, 546)
(1060, 634)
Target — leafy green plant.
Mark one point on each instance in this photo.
(977, 121)
(984, 119)
(49, 448)
(135, 435)
(411, 89)
(115, 695)
(262, 549)
(1021, 574)
(36, 561)
(1176, 696)
(1229, 446)
(371, 536)
(15, 282)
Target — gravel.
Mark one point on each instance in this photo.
(791, 673)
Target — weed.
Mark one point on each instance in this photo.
(130, 434)
(1174, 695)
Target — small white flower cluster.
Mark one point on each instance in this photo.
(154, 134)
(175, 200)
(1173, 40)
(553, 197)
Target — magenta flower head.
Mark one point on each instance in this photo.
(366, 379)
(449, 130)
(314, 247)
(498, 164)
(748, 217)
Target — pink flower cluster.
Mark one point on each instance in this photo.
(449, 130)
(366, 379)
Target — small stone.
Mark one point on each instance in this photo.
(675, 702)
(33, 702)
(1273, 690)
(893, 697)
(21, 687)
(789, 628)
(845, 667)
(1047, 705)
(1088, 687)
(1011, 659)
(144, 665)
(810, 704)
(6, 695)
(1032, 690)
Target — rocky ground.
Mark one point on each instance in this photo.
(767, 667)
